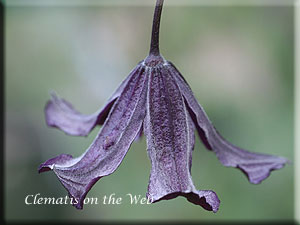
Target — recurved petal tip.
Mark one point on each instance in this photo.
(207, 199)
(256, 166)
(58, 160)
(108, 149)
(259, 170)
(77, 187)
(61, 114)
(170, 141)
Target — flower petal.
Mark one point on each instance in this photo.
(191, 128)
(139, 135)
(255, 166)
(61, 114)
(110, 146)
(170, 142)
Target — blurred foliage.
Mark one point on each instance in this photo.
(237, 60)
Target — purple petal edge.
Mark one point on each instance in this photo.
(108, 149)
(61, 160)
(60, 114)
(49, 164)
(255, 166)
(207, 199)
(139, 135)
(170, 141)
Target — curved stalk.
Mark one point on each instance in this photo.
(154, 46)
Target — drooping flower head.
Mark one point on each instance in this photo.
(155, 100)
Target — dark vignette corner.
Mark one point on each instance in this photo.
(2, 106)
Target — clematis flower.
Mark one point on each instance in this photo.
(155, 100)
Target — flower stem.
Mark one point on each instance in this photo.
(154, 46)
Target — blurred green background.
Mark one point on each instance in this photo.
(238, 61)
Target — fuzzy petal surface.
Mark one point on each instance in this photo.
(255, 166)
(170, 142)
(110, 146)
(61, 114)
